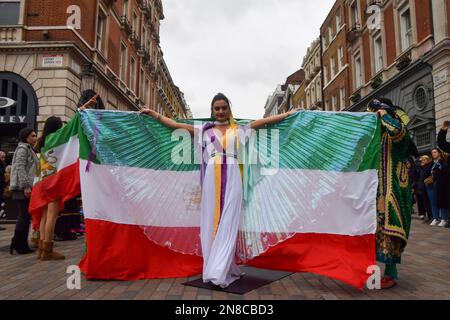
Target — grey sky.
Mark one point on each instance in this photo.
(243, 48)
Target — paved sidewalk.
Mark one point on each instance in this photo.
(425, 274)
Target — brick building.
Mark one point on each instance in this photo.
(312, 65)
(291, 85)
(170, 101)
(392, 59)
(46, 44)
(282, 99)
(335, 68)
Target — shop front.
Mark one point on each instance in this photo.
(18, 109)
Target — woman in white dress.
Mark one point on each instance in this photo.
(222, 189)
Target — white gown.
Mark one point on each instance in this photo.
(219, 249)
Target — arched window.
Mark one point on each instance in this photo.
(20, 90)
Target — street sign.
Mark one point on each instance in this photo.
(52, 60)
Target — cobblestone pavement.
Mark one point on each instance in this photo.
(424, 274)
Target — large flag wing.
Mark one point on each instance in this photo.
(144, 177)
(324, 182)
(320, 178)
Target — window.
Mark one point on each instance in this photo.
(142, 86)
(9, 13)
(338, 21)
(358, 72)
(101, 31)
(341, 57)
(143, 36)
(332, 67)
(133, 74)
(420, 98)
(325, 73)
(123, 61)
(330, 34)
(135, 24)
(334, 100)
(378, 54)
(423, 139)
(354, 13)
(125, 8)
(319, 90)
(147, 91)
(406, 29)
(342, 96)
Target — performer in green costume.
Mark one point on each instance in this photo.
(394, 198)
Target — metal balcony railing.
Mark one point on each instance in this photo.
(125, 23)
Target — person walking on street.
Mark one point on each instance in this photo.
(2, 182)
(423, 201)
(444, 145)
(23, 171)
(440, 179)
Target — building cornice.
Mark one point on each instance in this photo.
(442, 49)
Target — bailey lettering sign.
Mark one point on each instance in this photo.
(13, 119)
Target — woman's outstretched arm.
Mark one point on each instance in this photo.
(167, 121)
(273, 119)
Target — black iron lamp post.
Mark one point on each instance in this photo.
(88, 78)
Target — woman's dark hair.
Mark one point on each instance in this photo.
(86, 95)
(24, 133)
(218, 97)
(51, 125)
(387, 101)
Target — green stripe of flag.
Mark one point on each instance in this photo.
(308, 140)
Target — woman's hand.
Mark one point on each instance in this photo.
(149, 112)
(381, 113)
(90, 103)
(272, 119)
(27, 192)
(293, 111)
(167, 121)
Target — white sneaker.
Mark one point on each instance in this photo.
(434, 223)
(443, 223)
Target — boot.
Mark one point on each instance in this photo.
(49, 254)
(40, 249)
(35, 242)
(19, 243)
